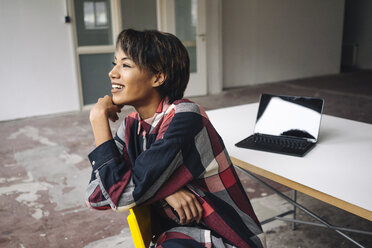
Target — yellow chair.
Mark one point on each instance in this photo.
(139, 221)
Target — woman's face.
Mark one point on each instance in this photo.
(130, 84)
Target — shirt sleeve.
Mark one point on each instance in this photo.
(111, 175)
(169, 164)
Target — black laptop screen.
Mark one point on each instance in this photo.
(289, 116)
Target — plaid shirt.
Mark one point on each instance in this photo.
(151, 159)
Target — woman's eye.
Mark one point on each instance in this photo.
(114, 63)
(126, 66)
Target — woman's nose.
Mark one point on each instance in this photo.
(113, 73)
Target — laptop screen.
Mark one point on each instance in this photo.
(289, 116)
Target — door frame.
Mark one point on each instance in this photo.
(198, 81)
(83, 50)
(213, 47)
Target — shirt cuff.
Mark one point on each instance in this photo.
(103, 153)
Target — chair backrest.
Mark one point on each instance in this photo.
(139, 221)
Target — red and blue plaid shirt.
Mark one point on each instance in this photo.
(151, 159)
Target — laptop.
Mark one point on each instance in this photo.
(285, 124)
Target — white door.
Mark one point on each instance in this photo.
(187, 20)
(97, 24)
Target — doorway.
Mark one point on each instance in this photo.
(98, 22)
(187, 20)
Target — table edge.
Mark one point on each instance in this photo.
(349, 207)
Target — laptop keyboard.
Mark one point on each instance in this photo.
(282, 142)
(283, 145)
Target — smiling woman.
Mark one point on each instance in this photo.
(167, 154)
(134, 86)
(161, 55)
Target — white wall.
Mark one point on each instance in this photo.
(271, 40)
(37, 70)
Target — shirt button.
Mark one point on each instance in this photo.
(94, 162)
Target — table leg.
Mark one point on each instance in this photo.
(294, 209)
(307, 211)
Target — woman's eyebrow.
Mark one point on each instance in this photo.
(124, 58)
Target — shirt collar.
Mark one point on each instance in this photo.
(146, 125)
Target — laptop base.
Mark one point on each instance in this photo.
(282, 145)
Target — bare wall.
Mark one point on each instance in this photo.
(37, 70)
(270, 40)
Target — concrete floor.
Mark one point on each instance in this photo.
(44, 171)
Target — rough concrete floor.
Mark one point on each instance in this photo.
(44, 171)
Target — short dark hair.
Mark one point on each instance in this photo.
(158, 52)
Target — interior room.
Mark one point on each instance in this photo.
(54, 64)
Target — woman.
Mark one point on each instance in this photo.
(166, 154)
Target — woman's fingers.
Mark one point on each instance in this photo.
(199, 210)
(192, 208)
(195, 208)
(183, 211)
(186, 205)
(113, 111)
(181, 215)
(189, 213)
(113, 117)
(194, 212)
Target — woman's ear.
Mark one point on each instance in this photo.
(159, 79)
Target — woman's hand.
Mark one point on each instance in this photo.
(105, 108)
(103, 111)
(186, 205)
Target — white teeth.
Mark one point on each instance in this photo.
(115, 86)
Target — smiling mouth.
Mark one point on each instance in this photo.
(116, 88)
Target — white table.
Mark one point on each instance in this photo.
(338, 170)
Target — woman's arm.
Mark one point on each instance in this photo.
(103, 111)
(164, 168)
(107, 148)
